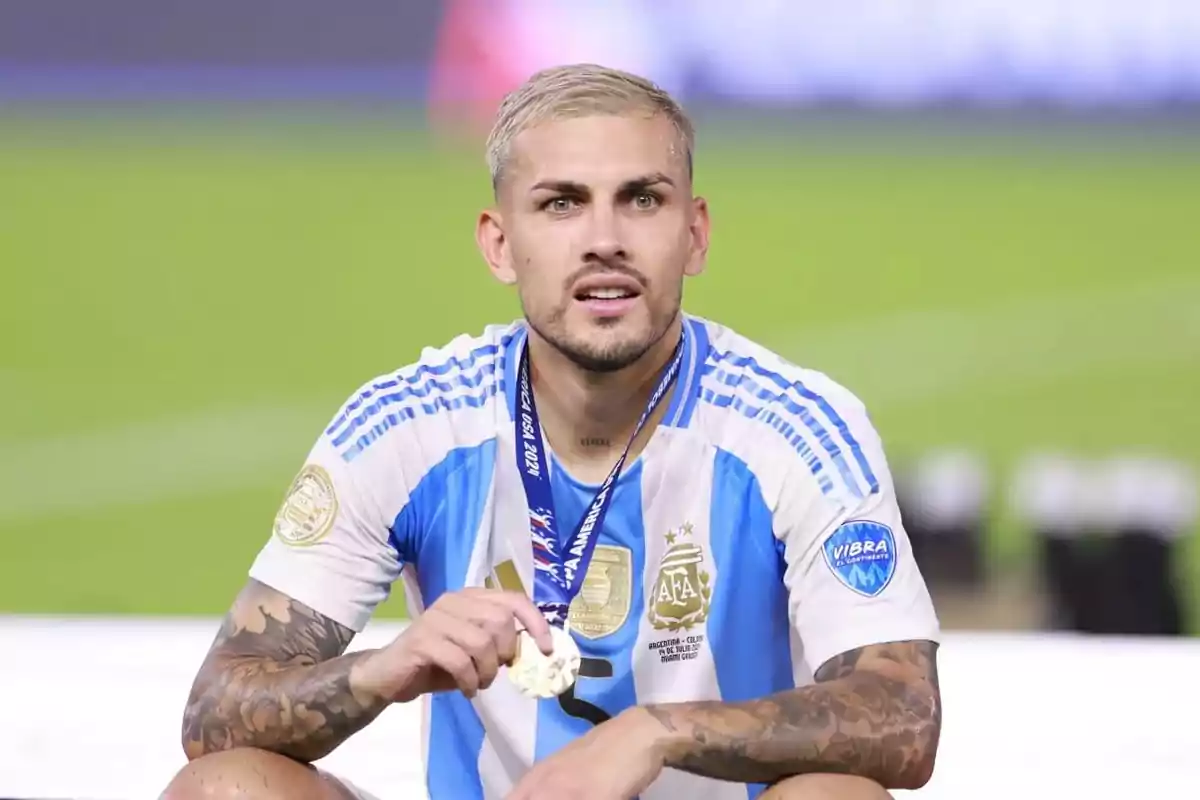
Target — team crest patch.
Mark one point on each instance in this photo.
(863, 556)
(602, 605)
(308, 511)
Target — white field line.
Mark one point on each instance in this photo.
(894, 361)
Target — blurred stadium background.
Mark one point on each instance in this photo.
(216, 220)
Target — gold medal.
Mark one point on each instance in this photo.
(538, 675)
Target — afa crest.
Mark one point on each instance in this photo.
(862, 555)
(682, 592)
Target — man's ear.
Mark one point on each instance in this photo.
(493, 244)
(700, 230)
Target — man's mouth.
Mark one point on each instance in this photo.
(607, 293)
(607, 288)
(608, 296)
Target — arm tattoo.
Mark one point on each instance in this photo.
(873, 712)
(275, 678)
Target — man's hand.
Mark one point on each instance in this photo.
(614, 761)
(460, 642)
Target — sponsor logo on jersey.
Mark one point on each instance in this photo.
(862, 555)
(308, 510)
(682, 589)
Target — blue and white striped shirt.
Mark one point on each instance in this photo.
(756, 536)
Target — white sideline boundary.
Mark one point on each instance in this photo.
(92, 710)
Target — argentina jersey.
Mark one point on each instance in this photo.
(756, 536)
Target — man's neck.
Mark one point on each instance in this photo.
(588, 417)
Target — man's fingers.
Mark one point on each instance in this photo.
(476, 642)
(498, 621)
(447, 656)
(531, 619)
(467, 604)
(487, 610)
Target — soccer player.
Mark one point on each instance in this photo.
(644, 556)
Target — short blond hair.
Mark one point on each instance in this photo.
(576, 90)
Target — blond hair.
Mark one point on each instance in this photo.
(577, 90)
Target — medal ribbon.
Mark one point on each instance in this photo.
(559, 567)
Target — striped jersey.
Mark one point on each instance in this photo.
(756, 536)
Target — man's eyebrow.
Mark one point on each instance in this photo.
(573, 187)
(560, 186)
(647, 180)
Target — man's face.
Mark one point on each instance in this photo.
(597, 227)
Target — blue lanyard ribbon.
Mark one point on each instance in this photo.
(559, 567)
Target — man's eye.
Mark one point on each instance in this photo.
(559, 205)
(645, 201)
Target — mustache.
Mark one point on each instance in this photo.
(605, 268)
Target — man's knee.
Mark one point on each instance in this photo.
(827, 787)
(248, 774)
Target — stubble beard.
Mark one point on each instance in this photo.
(611, 357)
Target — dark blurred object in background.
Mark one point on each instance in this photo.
(1109, 541)
(1146, 507)
(943, 497)
(1052, 498)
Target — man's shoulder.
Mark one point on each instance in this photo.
(462, 375)
(767, 410)
(464, 352)
(736, 361)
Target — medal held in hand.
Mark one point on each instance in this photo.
(539, 675)
(559, 567)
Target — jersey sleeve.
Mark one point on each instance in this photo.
(851, 577)
(330, 545)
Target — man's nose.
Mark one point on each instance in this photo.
(604, 240)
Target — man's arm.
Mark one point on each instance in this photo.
(873, 712)
(276, 679)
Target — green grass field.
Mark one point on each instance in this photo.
(181, 312)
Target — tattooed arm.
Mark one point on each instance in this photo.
(873, 712)
(276, 679)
